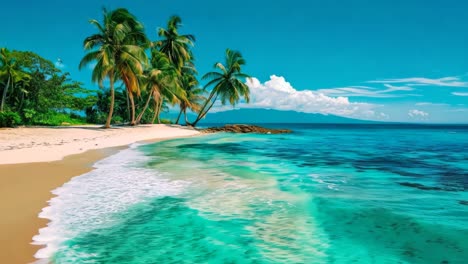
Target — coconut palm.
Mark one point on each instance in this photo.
(194, 94)
(11, 72)
(175, 46)
(160, 81)
(118, 51)
(228, 83)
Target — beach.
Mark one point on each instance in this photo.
(34, 161)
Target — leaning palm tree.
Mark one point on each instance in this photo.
(160, 81)
(175, 46)
(11, 71)
(118, 51)
(228, 84)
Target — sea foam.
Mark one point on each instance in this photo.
(92, 200)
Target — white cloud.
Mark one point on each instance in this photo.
(351, 91)
(391, 88)
(458, 110)
(430, 104)
(384, 116)
(420, 81)
(366, 91)
(460, 94)
(278, 94)
(417, 113)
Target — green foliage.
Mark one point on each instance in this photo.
(11, 72)
(118, 49)
(97, 112)
(194, 95)
(39, 92)
(118, 120)
(9, 119)
(52, 118)
(35, 92)
(29, 115)
(227, 81)
(166, 121)
(175, 46)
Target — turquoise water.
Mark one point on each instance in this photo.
(324, 194)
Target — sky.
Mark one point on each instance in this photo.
(399, 60)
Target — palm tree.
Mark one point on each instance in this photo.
(161, 82)
(228, 84)
(194, 94)
(118, 49)
(175, 46)
(12, 72)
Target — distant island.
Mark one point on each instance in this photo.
(259, 116)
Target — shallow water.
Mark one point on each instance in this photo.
(324, 194)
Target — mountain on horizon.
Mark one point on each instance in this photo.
(258, 116)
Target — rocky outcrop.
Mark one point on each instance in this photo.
(245, 129)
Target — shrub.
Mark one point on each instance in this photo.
(57, 119)
(9, 119)
(166, 121)
(117, 120)
(29, 115)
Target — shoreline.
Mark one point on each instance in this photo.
(25, 185)
(44, 144)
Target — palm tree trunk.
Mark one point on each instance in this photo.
(206, 112)
(5, 94)
(128, 105)
(202, 112)
(186, 119)
(144, 108)
(20, 107)
(132, 103)
(159, 111)
(178, 117)
(156, 107)
(111, 107)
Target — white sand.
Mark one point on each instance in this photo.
(24, 145)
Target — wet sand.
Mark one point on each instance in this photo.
(25, 190)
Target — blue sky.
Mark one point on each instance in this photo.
(381, 60)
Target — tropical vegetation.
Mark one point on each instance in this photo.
(138, 79)
(35, 92)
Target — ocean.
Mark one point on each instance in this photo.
(322, 194)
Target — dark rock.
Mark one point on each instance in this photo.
(245, 129)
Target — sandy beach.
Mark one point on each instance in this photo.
(25, 145)
(34, 161)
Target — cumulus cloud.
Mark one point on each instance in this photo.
(279, 94)
(460, 94)
(417, 113)
(420, 81)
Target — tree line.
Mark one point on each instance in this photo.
(35, 92)
(139, 79)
